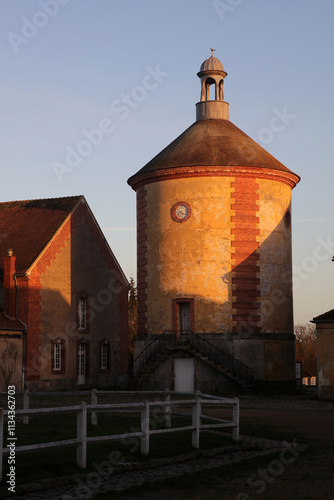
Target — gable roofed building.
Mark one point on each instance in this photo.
(63, 297)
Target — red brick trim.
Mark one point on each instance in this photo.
(141, 261)
(283, 176)
(245, 256)
(175, 313)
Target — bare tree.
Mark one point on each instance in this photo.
(8, 362)
(306, 348)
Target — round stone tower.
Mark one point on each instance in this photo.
(214, 242)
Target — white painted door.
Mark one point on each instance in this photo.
(81, 363)
(184, 311)
(184, 374)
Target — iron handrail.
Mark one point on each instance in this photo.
(174, 338)
(150, 351)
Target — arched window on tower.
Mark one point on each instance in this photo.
(208, 82)
(221, 90)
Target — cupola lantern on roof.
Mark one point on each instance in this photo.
(212, 72)
(214, 254)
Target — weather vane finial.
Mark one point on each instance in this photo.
(213, 50)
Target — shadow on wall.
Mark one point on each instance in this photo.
(255, 323)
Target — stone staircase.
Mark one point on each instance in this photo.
(162, 346)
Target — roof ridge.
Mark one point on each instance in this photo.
(43, 199)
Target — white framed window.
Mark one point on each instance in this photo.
(56, 357)
(104, 356)
(81, 359)
(82, 313)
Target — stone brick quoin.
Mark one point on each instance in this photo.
(141, 299)
(245, 295)
(141, 286)
(236, 306)
(141, 252)
(246, 315)
(245, 262)
(245, 220)
(247, 247)
(244, 209)
(252, 274)
(243, 281)
(142, 226)
(33, 320)
(141, 203)
(247, 267)
(141, 259)
(245, 233)
(141, 238)
(245, 258)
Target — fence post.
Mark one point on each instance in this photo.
(145, 427)
(1, 442)
(82, 436)
(168, 421)
(94, 402)
(235, 432)
(196, 422)
(26, 405)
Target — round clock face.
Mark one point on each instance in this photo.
(181, 211)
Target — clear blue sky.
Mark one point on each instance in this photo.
(66, 65)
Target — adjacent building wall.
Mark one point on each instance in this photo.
(325, 359)
(10, 360)
(76, 264)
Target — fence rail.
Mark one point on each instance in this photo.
(197, 404)
(93, 393)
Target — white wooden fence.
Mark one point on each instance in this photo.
(81, 440)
